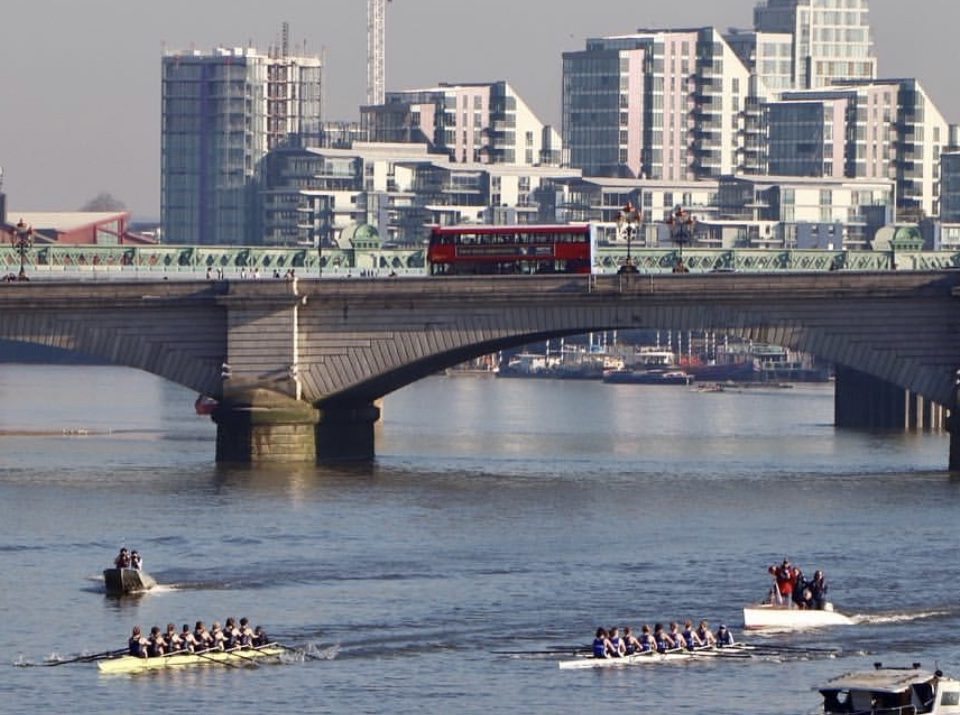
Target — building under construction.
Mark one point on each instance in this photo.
(222, 111)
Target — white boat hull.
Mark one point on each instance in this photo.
(765, 615)
(648, 658)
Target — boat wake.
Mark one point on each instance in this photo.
(878, 618)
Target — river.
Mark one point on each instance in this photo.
(499, 516)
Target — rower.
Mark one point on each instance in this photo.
(676, 637)
(705, 634)
(137, 645)
(647, 641)
(156, 646)
(246, 633)
(724, 636)
(630, 641)
(216, 635)
(123, 559)
(202, 636)
(690, 638)
(173, 639)
(260, 637)
(618, 648)
(663, 640)
(601, 644)
(189, 640)
(231, 634)
(135, 561)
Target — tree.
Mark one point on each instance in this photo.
(104, 202)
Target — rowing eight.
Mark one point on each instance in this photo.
(652, 657)
(231, 658)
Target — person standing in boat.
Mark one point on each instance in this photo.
(123, 559)
(783, 588)
(136, 562)
(818, 591)
(137, 645)
(799, 594)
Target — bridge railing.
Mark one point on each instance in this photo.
(192, 262)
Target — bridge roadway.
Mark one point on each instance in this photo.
(298, 366)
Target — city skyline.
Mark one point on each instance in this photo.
(104, 74)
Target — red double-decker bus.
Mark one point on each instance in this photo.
(510, 250)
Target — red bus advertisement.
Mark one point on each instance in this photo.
(510, 250)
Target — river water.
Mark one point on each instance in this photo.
(500, 515)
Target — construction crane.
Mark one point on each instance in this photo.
(376, 51)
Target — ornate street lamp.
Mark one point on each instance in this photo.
(682, 226)
(22, 241)
(627, 224)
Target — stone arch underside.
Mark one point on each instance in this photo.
(186, 347)
(914, 344)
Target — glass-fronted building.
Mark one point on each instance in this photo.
(221, 113)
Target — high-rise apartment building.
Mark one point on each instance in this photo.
(221, 113)
(831, 40)
(670, 105)
(878, 129)
(486, 123)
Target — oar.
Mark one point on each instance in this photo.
(87, 658)
(215, 660)
(235, 652)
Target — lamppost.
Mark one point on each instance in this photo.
(682, 226)
(22, 241)
(627, 223)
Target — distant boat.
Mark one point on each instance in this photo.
(205, 405)
(121, 581)
(647, 377)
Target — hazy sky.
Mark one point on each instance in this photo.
(82, 77)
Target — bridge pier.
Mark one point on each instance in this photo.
(256, 426)
(862, 401)
(346, 432)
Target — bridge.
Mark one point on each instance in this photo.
(56, 261)
(299, 365)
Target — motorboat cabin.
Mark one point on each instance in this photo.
(892, 691)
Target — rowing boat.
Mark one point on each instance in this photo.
(767, 615)
(128, 664)
(120, 581)
(651, 658)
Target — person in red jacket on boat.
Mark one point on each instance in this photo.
(784, 575)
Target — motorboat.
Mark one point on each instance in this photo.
(121, 581)
(772, 615)
(891, 691)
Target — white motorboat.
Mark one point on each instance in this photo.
(769, 615)
(892, 691)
